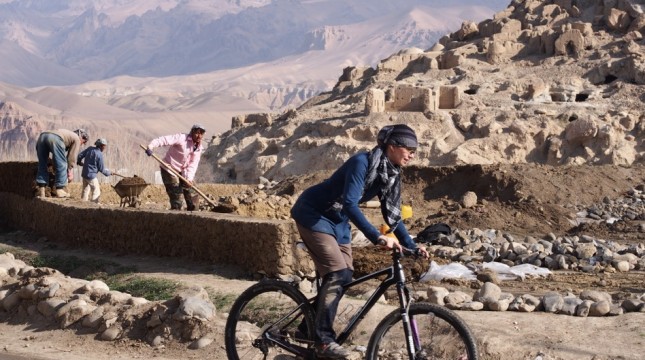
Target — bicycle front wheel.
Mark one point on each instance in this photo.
(439, 334)
(263, 320)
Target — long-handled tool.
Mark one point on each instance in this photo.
(172, 171)
(119, 175)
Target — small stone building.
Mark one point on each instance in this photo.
(412, 98)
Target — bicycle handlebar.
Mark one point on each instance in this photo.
(395, 251)
(406, 251)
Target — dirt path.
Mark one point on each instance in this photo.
(504, 336)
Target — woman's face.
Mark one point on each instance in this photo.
(400, 155)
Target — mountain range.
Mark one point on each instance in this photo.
(150, 67)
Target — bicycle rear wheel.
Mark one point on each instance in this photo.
(263, 321)
(441, 335)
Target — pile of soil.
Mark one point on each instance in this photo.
(522, 199)
(134, 180)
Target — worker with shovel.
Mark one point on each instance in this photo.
(182, 157)
(91, 159)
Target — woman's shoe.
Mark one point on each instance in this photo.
(331, 351)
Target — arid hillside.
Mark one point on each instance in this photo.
(543, 82)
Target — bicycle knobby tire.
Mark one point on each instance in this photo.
(442, 335)
(267, 306)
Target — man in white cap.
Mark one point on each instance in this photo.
(91, 159)
(183, 157)
(63, 145)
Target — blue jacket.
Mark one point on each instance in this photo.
(314, 208)
(93, 163)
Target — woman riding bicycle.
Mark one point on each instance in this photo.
(323, 212)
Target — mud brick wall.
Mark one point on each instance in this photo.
(256, 245)
(18, 178)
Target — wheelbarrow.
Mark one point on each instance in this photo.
(129, 190)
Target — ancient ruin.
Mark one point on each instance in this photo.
(548, 82)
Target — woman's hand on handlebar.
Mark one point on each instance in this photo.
(389, 242)
(423, 252)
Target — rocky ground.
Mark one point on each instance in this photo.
(519, 200)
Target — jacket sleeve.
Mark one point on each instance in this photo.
(74, 147)
(404, 237)
(352, 194)
(81, 156)
(101, 166)
(165, 141)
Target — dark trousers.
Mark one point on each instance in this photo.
(329, 295)
(175, 188)
(334, 264)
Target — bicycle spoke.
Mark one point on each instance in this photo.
(438, 337)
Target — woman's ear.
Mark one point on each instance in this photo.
(388, 149)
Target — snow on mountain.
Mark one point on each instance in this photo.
(107, 38)
(291, 79)
(163, 64)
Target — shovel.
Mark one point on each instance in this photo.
(172, 171)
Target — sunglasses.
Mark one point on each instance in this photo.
(411, 150)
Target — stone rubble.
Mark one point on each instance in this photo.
(629, 207)
(45, 294)
(584, 253)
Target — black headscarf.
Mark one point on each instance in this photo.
(388, 174)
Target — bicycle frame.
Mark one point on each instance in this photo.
(295, 349)
(395, 276)
(420, 321)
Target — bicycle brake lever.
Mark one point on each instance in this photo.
(408, 252)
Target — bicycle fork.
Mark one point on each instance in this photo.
(409, 325)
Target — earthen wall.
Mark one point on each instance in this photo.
(256, 245)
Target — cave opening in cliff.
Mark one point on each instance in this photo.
(581, 97)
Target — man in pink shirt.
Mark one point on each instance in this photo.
(183, 156)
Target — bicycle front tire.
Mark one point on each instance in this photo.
(442, 334)
(264, 314)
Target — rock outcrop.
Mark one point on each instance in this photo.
(549, 82)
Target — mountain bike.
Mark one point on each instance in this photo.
(263, 323)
